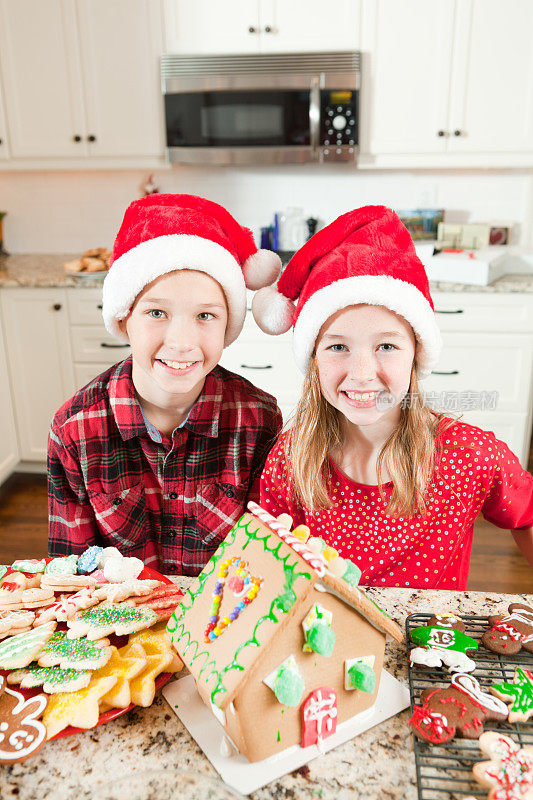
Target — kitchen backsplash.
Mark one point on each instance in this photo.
(73, 211)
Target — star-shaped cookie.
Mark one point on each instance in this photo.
(124, 668)
(80, 709)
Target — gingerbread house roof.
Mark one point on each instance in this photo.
(221, 657)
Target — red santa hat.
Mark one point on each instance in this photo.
(166, 232)
(364, 256)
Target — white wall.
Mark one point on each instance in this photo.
(69, 212)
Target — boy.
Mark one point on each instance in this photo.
(159, 455)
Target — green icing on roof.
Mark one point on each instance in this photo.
(281, 604)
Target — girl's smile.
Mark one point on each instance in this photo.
(364, 357)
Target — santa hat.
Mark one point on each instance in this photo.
(364, 256)
(166, 232)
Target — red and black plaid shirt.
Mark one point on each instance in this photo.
(113, 480)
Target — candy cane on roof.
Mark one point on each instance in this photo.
(312, 559)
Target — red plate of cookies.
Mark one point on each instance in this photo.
(134, 670)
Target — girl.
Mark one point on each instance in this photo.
(390, 484)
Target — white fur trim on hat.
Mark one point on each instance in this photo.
(149, 260)
(261, 269)
(380, 290)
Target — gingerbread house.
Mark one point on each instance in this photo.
(282, 644)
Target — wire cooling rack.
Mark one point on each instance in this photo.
(444, 772)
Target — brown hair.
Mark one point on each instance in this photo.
(408, 454)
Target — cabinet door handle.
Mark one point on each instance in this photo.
(269, 29)
(91, 138)
(76, 138)
(442, 133)
(445, 311)
(251, 366)
(451, 372)
(457, 133)
(99, 306)
(252, 29)
(113, 346)
(57, 306)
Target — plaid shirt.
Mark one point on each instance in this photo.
(113, 480)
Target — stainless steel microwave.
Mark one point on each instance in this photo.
(262, 109)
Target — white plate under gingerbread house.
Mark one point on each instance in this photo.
(235, 769)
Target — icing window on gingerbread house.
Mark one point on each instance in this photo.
(319, 635)
(286, 682)
(235, 588)
(359, 674)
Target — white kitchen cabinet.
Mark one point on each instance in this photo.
(260, 26)
(93, 349)
(81, 78)
(449, 78)
(406, 75)
(40, 362)
(491, 97)
(120, 45)
(9, 452)
(39, 57)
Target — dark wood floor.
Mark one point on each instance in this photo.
(497, 564)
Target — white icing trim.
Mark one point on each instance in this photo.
(381, 290)
(219, 714)
(290, 662)
(470, 686)
(155, 257)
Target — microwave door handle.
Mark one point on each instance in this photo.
(314, 114)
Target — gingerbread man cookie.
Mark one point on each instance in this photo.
(509, 773)
(21, 732)
(442, 647)
(458, 710)
(511, 633)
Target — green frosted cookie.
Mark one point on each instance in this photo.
(20, 650)
(64, 565)
(77, 654)
(107, 618)
(30, 565)
(52, 679)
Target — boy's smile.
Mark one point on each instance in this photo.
(176, 329)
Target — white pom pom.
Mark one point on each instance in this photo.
(272, 311)
(261, 269)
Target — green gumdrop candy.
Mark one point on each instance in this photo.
(288, 687)
(352, 574)
(321, 639)
(362, 677)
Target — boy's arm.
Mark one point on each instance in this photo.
(524, 540)
(71, 522)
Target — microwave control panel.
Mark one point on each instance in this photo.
(339, 134)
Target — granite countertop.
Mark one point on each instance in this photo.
(46, 270)
(147, 753)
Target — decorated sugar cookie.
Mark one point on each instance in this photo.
(63, 565)
(73, 653)
(80, 709)
(31, 565)
(21, 732)
(12, 622)
(509, 773)
(510, 633)
(107, 618)
(458, 710)
(442, 646)
(20, 650)
(117, 592)
(89, 559)
(519, 695)
(67, 606)
(52, 679)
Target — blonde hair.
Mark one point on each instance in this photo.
(408, 454)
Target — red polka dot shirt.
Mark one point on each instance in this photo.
(475, 473)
